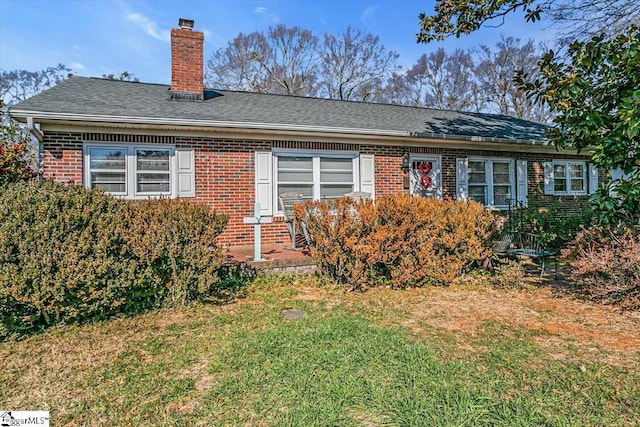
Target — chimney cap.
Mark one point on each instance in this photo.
(185, 24)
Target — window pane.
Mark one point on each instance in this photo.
(336, 176)
(559, 184)
(577, 171)
(152, 183)
(295, 162)
(305, 189)
(295, 169)
(105, 158)
(153, 177)
(336, 170)
(153, 187)
(295, 176)
(333, 191)
(336, 163)
(110, 188)
(559, 171)
(112, 182)
(577, 184)
(478, 193)
(154, 160)
(501, 194)
(501, 173)
(477, 173)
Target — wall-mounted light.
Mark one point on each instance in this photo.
(406, 164)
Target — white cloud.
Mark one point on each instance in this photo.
(266, 15)
(76, 66)
(149, 26)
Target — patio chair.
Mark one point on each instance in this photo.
(295, 225)
(358, 196)
(529, 245)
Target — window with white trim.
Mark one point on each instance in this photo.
(491, 181)
(108, 169)
(132, 171)
(569, 177)
(316, 176)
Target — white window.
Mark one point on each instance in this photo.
(153, 171)
(139, 171)
(107, 168)
(316, 176)
(488, 181)
(565, 177)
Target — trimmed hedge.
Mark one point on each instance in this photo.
(399, 241)
(68, 254)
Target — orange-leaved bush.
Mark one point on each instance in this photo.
(398, 240)
(16, 157)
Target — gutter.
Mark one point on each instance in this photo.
(44, 115)
(433, 135)
(37, 133)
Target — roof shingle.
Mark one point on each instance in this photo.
(102, 97)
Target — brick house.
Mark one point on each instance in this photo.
(228, 149)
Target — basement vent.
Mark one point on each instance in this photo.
(123, 137)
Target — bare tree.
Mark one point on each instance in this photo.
(355, 66)
(442, 80)
(18, 85)
(283, 61)
(496, 71)
(235, 68)
(586, 18)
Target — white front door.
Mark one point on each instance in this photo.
(426, 176)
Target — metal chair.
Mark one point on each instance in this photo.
(358, 196)
(295, 226)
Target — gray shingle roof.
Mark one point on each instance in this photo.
(101, 97)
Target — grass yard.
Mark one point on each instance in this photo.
(463, 355)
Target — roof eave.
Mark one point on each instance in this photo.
(155, 123)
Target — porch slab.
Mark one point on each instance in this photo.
(277, 258)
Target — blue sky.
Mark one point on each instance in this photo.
(98, 37)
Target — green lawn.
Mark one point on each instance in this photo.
(439, 356)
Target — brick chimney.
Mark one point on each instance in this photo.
(187, 71)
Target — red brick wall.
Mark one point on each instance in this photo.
(225, 173)
(63, 157)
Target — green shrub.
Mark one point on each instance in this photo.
(174, 242)
(68, 254)
(555, 228)
(399, 241)
(605, 265)
(62, 255)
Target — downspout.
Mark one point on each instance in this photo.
(37, 134)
